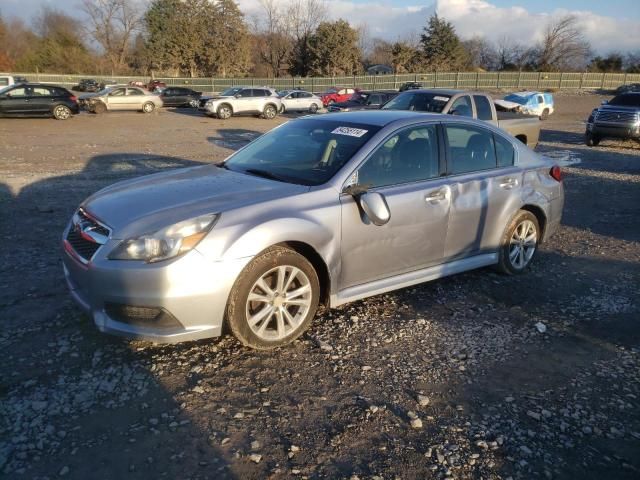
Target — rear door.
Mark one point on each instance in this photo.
(134, 98)
(169, 97)
(405, 168)
(41, 100)
(485, 188)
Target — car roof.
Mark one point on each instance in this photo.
(525, 94)
(445, 91)
(379, 118)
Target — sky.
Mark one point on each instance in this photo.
(611, 25)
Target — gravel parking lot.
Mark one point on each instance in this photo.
(450, 379)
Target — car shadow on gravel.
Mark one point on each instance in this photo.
(76, 402)
(577, 138)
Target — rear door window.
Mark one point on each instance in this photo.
(483, 107)
(462, 107)
(470, 149)
(504, 151)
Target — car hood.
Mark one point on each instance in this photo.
(149, 203)
(618, 108)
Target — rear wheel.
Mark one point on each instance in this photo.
(545, 114)
(270, 112)
(520, 243)
(313, 108)
(148, 107)
(274, 299)
(591, 140)
(61, 112)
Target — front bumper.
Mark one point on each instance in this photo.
(613, 130)
(191, 291)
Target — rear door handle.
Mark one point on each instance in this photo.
(508, 183)
(437, 196)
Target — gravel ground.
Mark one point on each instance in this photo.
(473, 376)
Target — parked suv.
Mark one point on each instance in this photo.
(618, 118)
(261, 101)
(38, 99)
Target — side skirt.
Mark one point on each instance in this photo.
(377, 287)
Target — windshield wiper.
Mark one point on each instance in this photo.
(264, 174)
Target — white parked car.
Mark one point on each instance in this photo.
(262, 101)
(299, 101)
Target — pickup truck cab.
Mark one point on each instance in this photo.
(617, 118)
(476, 105)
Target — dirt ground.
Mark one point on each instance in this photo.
(495, 397)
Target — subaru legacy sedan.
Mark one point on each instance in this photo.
(326, 209)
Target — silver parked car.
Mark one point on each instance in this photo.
(121, 98)
(299, 101)
(325, 209)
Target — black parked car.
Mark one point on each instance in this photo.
(180, 97)
(410, 86)
(88, 85)
(363, 101)
(37, 99)
(618, 118)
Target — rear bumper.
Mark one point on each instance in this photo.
(190, 293)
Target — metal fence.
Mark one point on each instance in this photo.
(464, 80)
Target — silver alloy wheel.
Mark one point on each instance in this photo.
(313, 108)
(61, 112)
(224, 112)
(270, 112)
(278, 302)
(148, 107)
(523, 244)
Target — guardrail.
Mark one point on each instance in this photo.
(463, 80)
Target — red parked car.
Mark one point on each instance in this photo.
(336, 94)
(154, 84)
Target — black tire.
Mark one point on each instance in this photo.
(270, 111)
(506, 263)
(591, 140)
(99, 108)
(238, 307)
(545, 114)
(313, 108)
(61, 112)
(148, 107)
(224, 111)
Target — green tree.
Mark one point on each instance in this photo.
(404, 58)
(441, 47)
(611, 63)
(333, 49)
(227, 51)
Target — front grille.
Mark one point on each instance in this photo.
(616, 117)
(85, 246)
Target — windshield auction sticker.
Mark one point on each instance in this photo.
(351, 132)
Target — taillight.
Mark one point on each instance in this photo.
(73, 98)
(556, 173)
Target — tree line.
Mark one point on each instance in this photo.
(214, 38)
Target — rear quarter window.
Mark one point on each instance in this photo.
(504, 151)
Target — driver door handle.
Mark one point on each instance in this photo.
(436, 196)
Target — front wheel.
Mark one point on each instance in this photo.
(61, 112)
(269, 112)
(148, 107)
(224, 112)
(274, 299)
(591, 140)
(313, 108)
(520, 243)
(99, 108)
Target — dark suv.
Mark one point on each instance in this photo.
(38, 99)
(618, 118)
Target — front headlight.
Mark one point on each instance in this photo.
(166, 243)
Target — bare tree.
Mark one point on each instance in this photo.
(305, 16)
(511, 55)
(113, 24)
(563, 45)
(482, 54)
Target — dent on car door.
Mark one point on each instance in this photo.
(405, 169)
(485, 189)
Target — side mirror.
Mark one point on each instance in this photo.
(375, 207)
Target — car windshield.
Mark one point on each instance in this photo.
(419, 102)
(516, 99)
(305, 152)
(629, 100)
(331, 90)
(230, 92)
(283, 93)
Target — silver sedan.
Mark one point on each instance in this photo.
(299, 101)
(121, 98)
(326, 209)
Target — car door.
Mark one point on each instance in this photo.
(182, 96)
(405, 168)
(485, 188)
(41, 100)
(117, 99)
(15, 101)
(244, 102)
(134, 99)
(169, 97)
